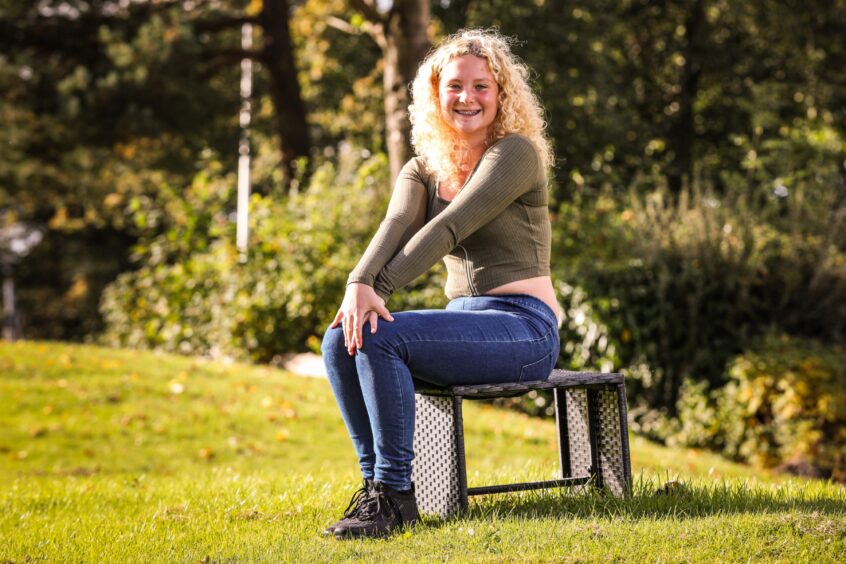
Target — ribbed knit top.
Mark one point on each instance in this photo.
(495, 231)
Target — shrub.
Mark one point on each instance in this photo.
(688, 282)
(785, 405)
(281, 299)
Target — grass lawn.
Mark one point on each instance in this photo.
(117, 455)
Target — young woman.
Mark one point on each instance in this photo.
(475, 196)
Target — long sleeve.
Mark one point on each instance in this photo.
(509, 169)
(405, 216)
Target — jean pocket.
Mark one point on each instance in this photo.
(538, 370)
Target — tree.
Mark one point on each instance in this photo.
(109, 111)
(402, 34)
(277, 56)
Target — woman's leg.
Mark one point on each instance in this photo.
(476, 340)
(343, 377)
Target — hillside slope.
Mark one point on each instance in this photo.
(123, 455)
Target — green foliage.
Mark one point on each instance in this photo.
(687, 284)
(341, 74)
(108, 110)
(105, 109)
(785, 405)
(192, 294)
(637, 89)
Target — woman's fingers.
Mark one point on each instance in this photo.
(347, 326)
(359, 322)
(383, 313)
(352, 324)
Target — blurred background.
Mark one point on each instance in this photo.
(698, 199)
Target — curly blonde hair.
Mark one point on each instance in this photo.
(520, 111)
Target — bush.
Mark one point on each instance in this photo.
(281, 299)
(785, 405)
(682, 284)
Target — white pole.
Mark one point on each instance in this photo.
(242, 220)
(10, 332)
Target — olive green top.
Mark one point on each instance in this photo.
(495, 231)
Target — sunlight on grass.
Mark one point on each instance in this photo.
(121, 455)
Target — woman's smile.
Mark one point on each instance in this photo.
(468, 95)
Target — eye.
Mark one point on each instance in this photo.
(481, 87)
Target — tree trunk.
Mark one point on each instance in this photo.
(406, 43)
(682, 132)
(278, 57)
(403, 35)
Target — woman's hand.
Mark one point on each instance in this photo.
(361, 303)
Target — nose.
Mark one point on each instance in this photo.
(464, 96)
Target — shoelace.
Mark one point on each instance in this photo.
(372, 510)
(358, 502)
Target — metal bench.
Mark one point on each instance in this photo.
(593, 444)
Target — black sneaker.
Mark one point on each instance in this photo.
(387, 511)
(360, 498)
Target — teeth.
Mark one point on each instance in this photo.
(468, 112)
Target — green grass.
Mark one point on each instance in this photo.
(116, 455)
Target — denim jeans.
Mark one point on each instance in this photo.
(475, 340)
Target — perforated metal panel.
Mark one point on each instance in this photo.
(579, 436)
(610, 443)
(436, 472)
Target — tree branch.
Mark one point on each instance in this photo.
(373, 30)
(343, 25)
(368, 10)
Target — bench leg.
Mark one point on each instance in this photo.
(560, 398)
(439, 472)
(614, 465)
(578, 434)
(593, 436)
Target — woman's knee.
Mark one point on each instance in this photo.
(333, 342)
(387, 336)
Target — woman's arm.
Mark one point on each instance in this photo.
(509, 169)
(405, 216)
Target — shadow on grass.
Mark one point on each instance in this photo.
(683, 500)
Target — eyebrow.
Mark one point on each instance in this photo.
(485, 79)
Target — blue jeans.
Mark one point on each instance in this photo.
(475, 340)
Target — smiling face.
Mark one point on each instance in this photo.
(468, 96)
